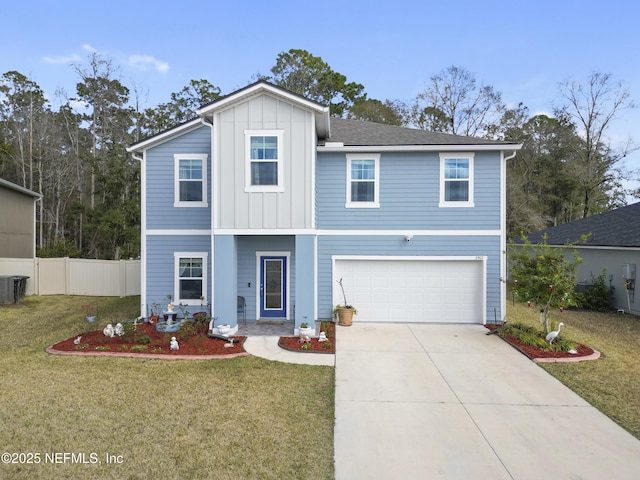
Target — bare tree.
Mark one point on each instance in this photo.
(592, 106)
(454, 103)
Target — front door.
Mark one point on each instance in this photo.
(273, 286)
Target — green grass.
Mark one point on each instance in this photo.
(225, 419)
(612, 383)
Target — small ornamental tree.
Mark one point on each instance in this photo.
(543, 276)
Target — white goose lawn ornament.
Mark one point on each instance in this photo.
(551, 336)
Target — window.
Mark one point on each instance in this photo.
(190, 180)
(456, 180)
(263, 161)
(363, 181)
(191, 277)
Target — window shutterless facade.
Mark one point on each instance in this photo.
(363, 181)
(190, 277)
(263, 161)
(190, 180)
(456, 180)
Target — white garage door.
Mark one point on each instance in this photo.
(412, 290)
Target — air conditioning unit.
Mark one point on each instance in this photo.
(629, 271)
(6, 289)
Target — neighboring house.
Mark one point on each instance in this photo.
(17, 221)
(266, 197)
(613, 246)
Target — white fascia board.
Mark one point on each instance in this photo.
(257, 89)
(420, 148)
(408, 231)
(165, 136)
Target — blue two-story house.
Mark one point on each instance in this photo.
(266, 197)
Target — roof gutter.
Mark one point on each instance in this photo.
(421, 148)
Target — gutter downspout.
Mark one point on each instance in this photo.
(143, 236)
(213, 204)
(503, 236)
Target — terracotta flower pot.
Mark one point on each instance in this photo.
(345, 316)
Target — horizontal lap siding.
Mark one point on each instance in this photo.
(409, 195)
(396, 245)
(160, 262)
(160, 175)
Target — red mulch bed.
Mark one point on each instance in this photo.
(199, 345)
(314, 346)
(535, 352)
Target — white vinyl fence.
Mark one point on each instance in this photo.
(76, 276)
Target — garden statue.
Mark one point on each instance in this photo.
(551, 336)
(170, 307)
(109, 331)
(77, 340)
(323, 337)
(119, 330)
(174, 344)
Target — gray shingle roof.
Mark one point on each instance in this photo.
(616, 228)
(359, 133)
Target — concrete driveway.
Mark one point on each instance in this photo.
(449, 402)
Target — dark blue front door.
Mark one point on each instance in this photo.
(273, 286)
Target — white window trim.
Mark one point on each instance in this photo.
(455, 204)
(176, 180)
(376, 191)
(248, 187)
(176, 273)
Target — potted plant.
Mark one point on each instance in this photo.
(305, 329)
(344, 312)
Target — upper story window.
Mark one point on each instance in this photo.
(264, 161)
(190, 277)
(190, 180)
(456, 180)
(363, 181)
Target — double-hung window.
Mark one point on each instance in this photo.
(190, 277)
(264, 161)
(456, 180)
(190, 180)
(363, 181)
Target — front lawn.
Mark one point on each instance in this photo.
(237, 418)
(612, 383)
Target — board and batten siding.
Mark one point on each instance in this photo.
(160, 263)
(291, 208)
(409, 194)
(420, 246)
(160, 181)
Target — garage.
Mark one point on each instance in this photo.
(412, 289)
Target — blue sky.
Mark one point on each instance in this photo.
(522, 49)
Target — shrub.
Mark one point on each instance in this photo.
(597, 296)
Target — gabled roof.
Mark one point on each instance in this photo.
(616, 228)
(18, 188)
(257, 88)
(261, 87)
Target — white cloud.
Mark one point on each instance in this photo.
(88, 48)
(143, 62)
(62, 59)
